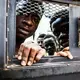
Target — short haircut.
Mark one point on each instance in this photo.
(41, 35)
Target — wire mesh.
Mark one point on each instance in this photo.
(51, 8)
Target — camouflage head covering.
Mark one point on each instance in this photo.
(29, 6)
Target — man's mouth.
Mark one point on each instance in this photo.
(22, 33)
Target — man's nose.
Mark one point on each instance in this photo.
(49, 47)
(40, 43)
(27, 22)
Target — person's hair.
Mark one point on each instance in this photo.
(41, 36)
(60, 27)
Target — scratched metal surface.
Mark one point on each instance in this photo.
(47, 68)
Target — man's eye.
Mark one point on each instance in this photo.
(36, 19)
(38, 42)
(46, 45)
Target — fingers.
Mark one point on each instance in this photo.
(35, 55)
(29, 53)
(61, 53)
(64, 53)
(32, 56)
(66, 49)
(20, 51)
(25, 56)
(40, 54)
(69, 54)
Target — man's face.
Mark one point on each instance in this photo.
(49, 45)
(40, 42)
(26, 25)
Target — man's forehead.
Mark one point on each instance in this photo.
(40, 39)
(29, 15)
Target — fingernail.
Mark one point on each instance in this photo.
(29, 63)
(55, 53)
(19, 57)
(71, 57)
(34, 61)
(23, 63)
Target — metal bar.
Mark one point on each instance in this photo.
(64, 1)
(11, 23)
(44, 70)
(74, 13)
(2, 33)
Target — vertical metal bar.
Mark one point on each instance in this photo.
(74, 13)
(2, 33)
(79, 32)
(11, 23)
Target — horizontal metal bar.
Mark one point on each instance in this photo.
(49, 67)
(64, 1)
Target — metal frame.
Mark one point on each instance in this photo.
(7, 30)
(64, 1)
(2, 33)
(12, 27)
(9, 47)
(11, 24)
(74, 13)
